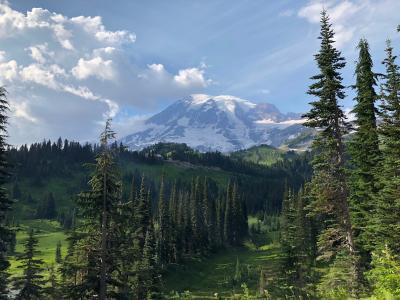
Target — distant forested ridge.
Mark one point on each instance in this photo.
(63, 164)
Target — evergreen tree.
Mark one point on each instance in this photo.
(387, 223)
(163, 227)
(228, 226)
(99, 210)
(72, 268)
(52, 290)
(295, 242)
(30, 284)
(5, 202)
(364, 150)
(58, 258)
(329, 184)
(149, 272)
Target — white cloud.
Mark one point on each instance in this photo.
(39, 75)
(353, 19)
(97, 67)
(191, 77)
(8, 71)
(94, 25)
(74, 68)
(21, 110)
(158, 68)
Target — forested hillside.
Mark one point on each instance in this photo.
(98, 221)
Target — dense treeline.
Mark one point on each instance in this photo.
(34, 166)
(340, 234)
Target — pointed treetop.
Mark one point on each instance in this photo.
(108, 134)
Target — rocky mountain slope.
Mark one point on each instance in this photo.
(223, 123)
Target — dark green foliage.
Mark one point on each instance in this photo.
(53, 288)
(16, 191)
(387, 217)
(148, 269)
(164, 228)
(329, 184)
(5, 203)
(364, 150)
(296, 245)
(47, 208)
(99, 211)
(58, 257)
(30, 284)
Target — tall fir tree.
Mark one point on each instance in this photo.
(387, 223)
(5, 201)
(364, 150)
(99, 210)
(30, 284)
(58, 256)
(149, 267)
(164, 228)
(329, 183)
(228, 226)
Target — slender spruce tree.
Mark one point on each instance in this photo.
(5, 201)
(387, 223)
(364, 150)
(99, 210)
(149, 267)
(329, 184)
(58, 256)
(164, 230)
(30, 284)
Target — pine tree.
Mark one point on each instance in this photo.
(387, 223)
(99, 210)
(163, 227)
(52, 290)
(228, 226)
(58, 258)
(364, 150)
(329, 184)
(30, 284)
(295, 243)
(72, 267)
(5, 202)
(149, 269)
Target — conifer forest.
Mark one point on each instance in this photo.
(172, 220)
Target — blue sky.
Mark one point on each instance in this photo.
(68, 65)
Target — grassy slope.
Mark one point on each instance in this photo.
(207, 276)
(213, 275)
(263, 155)
(203, 277)
(48, 234)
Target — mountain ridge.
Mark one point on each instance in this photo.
(217, 123)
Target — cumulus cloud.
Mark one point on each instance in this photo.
(97, 67)
(353, 19)
(70, 73)
(191, 77)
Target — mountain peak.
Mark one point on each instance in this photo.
(224, 123)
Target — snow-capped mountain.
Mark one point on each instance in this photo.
(223, 123)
